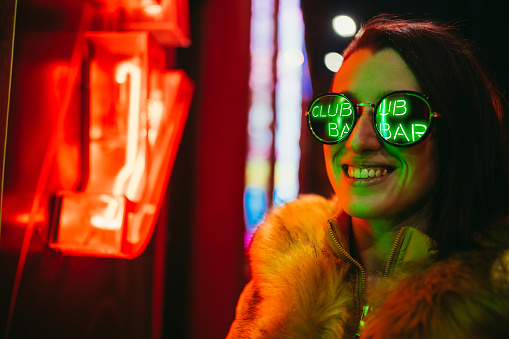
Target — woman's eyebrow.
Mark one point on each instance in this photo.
(350, 95)
(355, 99)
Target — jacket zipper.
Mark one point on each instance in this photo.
(395, 246)
(365, 308)
(355, 262)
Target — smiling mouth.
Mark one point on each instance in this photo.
(366, 172)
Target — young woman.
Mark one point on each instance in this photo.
(416, 150)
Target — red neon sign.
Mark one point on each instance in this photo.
(135, 111)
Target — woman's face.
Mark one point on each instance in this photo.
(394, 182)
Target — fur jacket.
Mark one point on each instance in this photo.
(304, 284)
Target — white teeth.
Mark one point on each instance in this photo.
(364, 173)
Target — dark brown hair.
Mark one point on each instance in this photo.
(473, 185)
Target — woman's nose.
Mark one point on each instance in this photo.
(363, 138)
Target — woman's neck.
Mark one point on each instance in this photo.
(372, 244)
(372, 240)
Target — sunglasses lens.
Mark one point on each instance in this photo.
(402, 118)
(331, 118)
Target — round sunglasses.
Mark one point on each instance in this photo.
(401, 118)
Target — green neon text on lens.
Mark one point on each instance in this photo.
(394, 125)
(400, 118)
(400, 132)
(344, 106)
(333, 130)
(399, 107)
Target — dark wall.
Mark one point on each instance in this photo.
(205, 252)
(483, 22)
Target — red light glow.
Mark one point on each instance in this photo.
(153, 9)
(136, 112)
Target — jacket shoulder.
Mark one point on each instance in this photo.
(297, 287)
(300, 220)
(464, 295)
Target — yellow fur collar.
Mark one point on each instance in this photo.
(299, 288)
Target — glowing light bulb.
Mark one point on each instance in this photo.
(153, 9)
(333, 61)
(344, 26)
(293, 57)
